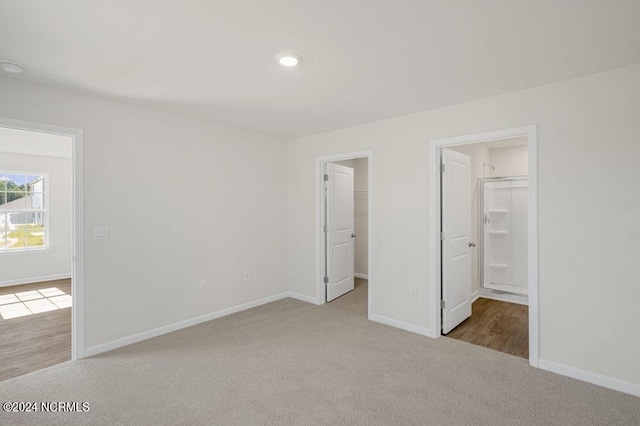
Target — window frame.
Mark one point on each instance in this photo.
(46, 246)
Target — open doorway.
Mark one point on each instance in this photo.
(40, 283)
(485, 223)
(344, 231)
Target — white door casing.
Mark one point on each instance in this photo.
(456, 234)
(77, 269)
(435, 255)
(339, 231)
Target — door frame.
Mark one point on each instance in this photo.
(77, 228)
(435, 256)
(321, 295)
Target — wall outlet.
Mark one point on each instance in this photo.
(413, 293)
(202, 285)
(245, 277)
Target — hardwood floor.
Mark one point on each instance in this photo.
(496, 325)
(35, 327)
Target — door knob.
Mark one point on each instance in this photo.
(472, 244)
(353, 235)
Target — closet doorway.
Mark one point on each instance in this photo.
(343, 231)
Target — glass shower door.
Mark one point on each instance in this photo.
(504, 235)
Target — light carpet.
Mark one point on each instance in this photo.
(290, 362)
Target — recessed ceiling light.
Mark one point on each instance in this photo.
(12, 67)
(288, 59)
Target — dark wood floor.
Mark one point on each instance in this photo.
(35, 327)
(497, 325)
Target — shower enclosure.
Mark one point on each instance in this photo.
(503, 237)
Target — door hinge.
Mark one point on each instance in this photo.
(442, 304)
(326, 178)
(326, 229)
(441, 236)
(326, 280)
(442, 167)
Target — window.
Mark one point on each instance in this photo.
(23, 212)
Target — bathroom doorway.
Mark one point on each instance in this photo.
(486, 284)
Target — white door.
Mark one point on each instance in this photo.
(339, 231)
(456, 234)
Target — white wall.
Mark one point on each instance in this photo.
(185, 201)
(35, 143)
(37, 266)
(479, 155)
(360, 168)
(588, 270)
(511, 161)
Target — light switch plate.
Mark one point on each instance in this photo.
(101, 233)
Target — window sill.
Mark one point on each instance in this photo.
(26, 251)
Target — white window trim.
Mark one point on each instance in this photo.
(46, 246)
(27, 250)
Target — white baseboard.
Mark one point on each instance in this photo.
(114, 344)
(590, 377)
(30, 280)
(503, 297)
(361, 276)
(402, 325)
(475, 295)
(302, 297)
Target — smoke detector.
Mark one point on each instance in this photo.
(12, 67)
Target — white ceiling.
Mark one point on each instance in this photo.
(363, 60)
